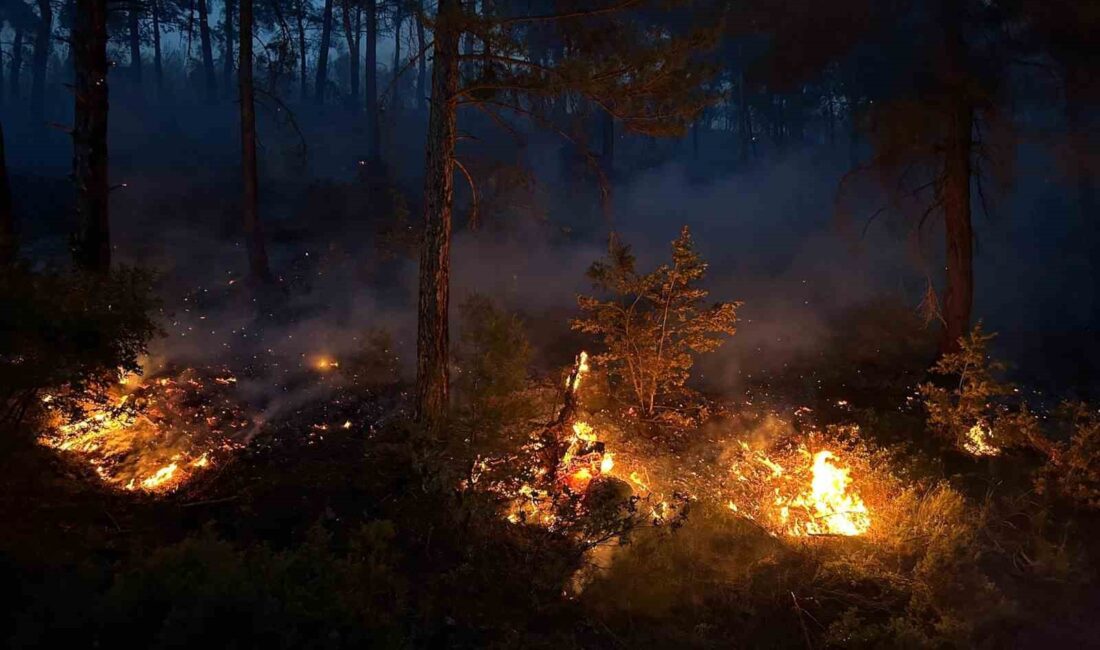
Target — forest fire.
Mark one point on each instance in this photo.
(152, 436)
(808, 494)
(979, 441)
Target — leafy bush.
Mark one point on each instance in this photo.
(492, 358)
(71, 334)
(654, 322)
(973, 414)
(208, 591)
(1073, 469)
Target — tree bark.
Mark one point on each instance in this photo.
(257, 253)
(16, 63)
(8, 243)
(158, 62)
(955, 185)
(398, 19)
(157, 59)
(92, 246)
(322, 53)
(432, 374)
(374, 128)
(135, 47)
(351, 34)
(41, 56)
(207, 53)
(608, 150)
(302, 50)
(422, 65)
(227, 54)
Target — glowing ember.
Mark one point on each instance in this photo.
(979, 441)
(324, 363)
(160, 478)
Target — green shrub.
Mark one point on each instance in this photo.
(205, 591)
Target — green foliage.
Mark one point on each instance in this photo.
(973, 414)
(208, 591)
(492, 358)
(71, 334)
(654, 322)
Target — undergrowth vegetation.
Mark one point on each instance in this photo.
(697, 530)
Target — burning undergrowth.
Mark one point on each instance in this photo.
(155, 433)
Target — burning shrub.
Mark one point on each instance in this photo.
(654, 322)
(973, 414)
(69, 333)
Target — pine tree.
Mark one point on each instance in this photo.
(612, 54)
(653, 324)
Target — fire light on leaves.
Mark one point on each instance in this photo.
(979, 441)
(153, 436)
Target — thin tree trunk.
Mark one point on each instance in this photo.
(422, 65)
(158, 62)
(398, 19)
(302, 50)
(432, 343)
(41, 56)
(351, 34)
(16, 63)
(8, 243)
(257, 252)
(133, 16)
(374, 128)
(955, 192)
(207, 53)
(322, 54)
(227, 53)
(607, 154)
(92, 246)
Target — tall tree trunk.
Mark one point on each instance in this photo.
(432, 341)
(8, 243)
(607, 153)
(398, 19)
(227, 53)
(322, 53)
(302, 50)
(257, 252)
(207, 53)
(374, 128)
(92, 244)
(41, 56)
(16, 63)
(351, 34)
(158, 62)
(422, 65)
(133, 17)
(955, 185)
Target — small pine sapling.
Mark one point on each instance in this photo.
(653, 323)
